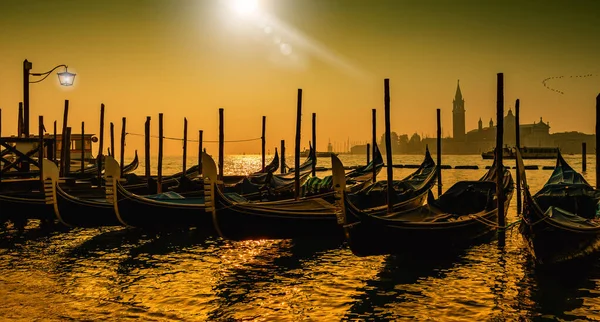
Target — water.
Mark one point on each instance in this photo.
(119, 274)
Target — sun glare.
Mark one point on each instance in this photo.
(244, 7)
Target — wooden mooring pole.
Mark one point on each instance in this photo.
(368, 153)
(184, 161)
(597, 141)
(583, 157)
(112, 140)
(282, 157)
(439, 151)
(314, 143)
(160, 154)
(20, 121)
(297, 147)
(82, 164)
(147, 162)
(99, 159)
(499, 164)
(518, 146)
(55, 145)
(388, 146)
(221, 143)
(41, 149)
(123, 133)
(200, 133)
(374, 140)
(65, 149)
(1, 166)
(263, 141)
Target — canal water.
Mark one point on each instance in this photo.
(121, 274)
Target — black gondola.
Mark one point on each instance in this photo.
(19, 207)
(74, 211)
(164, 211)
(464, 213)
(409, 192)
(92, 170)
(310, 217)
(269, 185)
(560, 222)
(271, 167)
(356, 179)
(234, 182)
(237, 218)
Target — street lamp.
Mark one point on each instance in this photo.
(65, 78)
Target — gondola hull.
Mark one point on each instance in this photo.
(303, 219)
(136, 211)
(466, 213)
(76, 211)
(560, 224)
(80, 212)
(372, 237)
(25, 206)
(550, 245)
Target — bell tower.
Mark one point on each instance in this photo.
(458, 115)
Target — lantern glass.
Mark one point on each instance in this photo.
(66, 79)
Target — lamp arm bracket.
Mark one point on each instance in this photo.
(48, 72)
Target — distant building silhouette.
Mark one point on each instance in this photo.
(483, 139)
(458, 115)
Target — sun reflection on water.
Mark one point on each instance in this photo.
(121, 274)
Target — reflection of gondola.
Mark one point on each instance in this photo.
(253, 268)
(558, 294)
(464, 213)
(560, 221)
(375, 299)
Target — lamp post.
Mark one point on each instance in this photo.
(65, 78)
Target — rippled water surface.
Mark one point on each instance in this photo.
(120, 274)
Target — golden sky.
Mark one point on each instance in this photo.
(189, 58)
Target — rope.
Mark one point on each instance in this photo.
(533, 223)
(192, 140)
(490, 223)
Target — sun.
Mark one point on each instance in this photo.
(244, 7)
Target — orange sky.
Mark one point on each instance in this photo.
(189, 58)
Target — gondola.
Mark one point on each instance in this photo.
(560, 222)
(240, 219)
(271, 167)
(308, 217)
(464, 213)
(409, 193)
(19, 207)
(270, 186)
(73, 211)
(92, 170)
(259, 177)
(22, 205)
(162, 211)
(356, 179)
